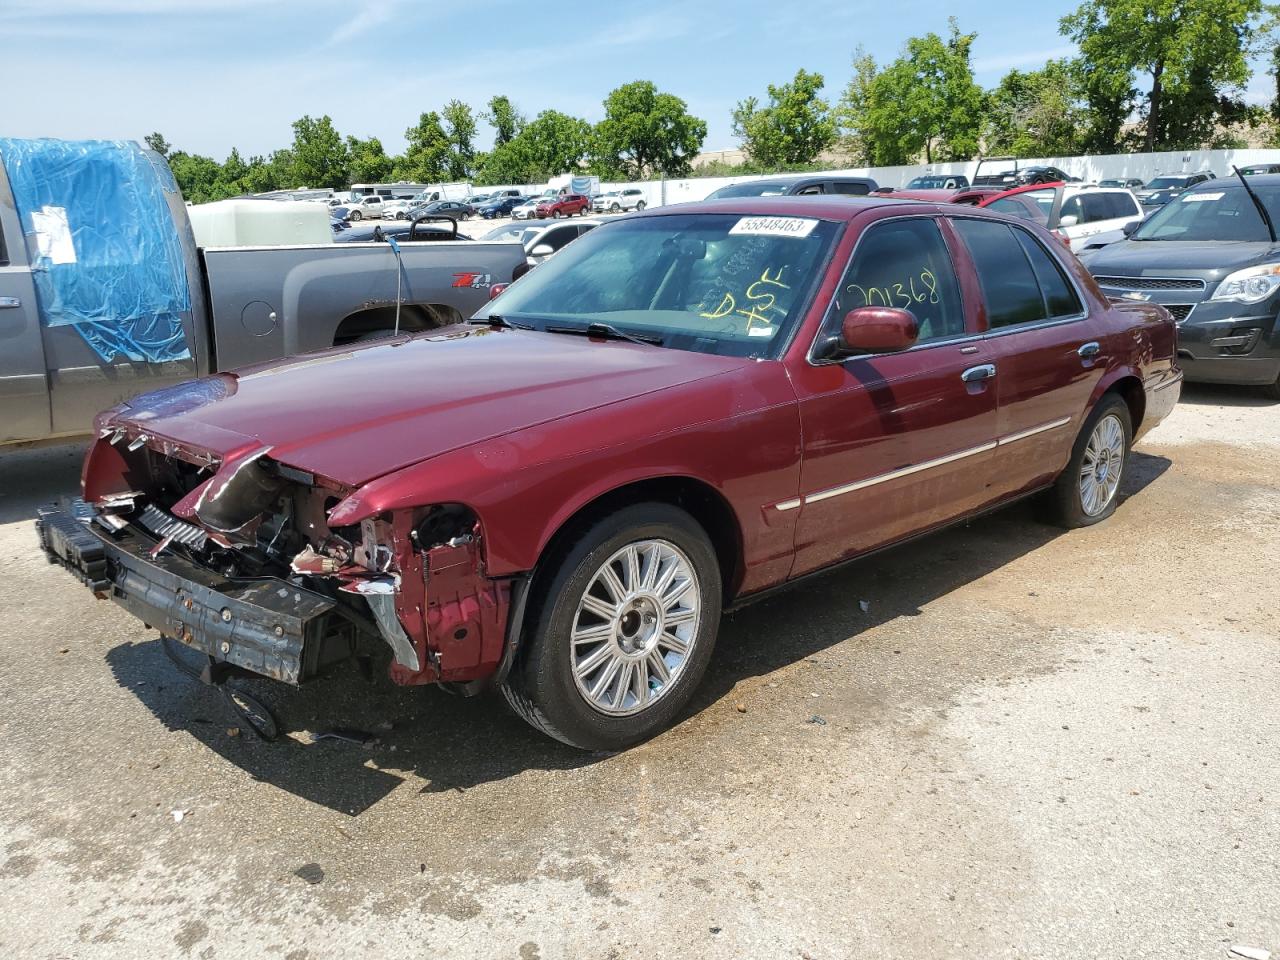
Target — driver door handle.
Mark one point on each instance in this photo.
(1089, 350)
(983, 371)
(9, 303)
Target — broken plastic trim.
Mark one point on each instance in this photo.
(381, 597)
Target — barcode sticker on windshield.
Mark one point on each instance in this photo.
(773, 227)
(1198, 197)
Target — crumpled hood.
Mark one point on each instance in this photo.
(353, 415)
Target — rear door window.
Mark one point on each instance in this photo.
(905, 264)
(1021, 281)
(1096, 206)
(1008, 282)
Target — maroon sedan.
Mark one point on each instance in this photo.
(565, 205)
(679, 412)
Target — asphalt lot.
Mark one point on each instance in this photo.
(1032, 744)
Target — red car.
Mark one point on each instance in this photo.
(565, 205)
(682, 410)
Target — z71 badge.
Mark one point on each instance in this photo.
(474, 280)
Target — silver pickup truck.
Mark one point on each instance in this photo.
(242, 305)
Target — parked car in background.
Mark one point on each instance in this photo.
(1255, 169)
(714, 400)
(366, 208)
(540, 238)
(1211, 259)
(396, 209)
(1130, 183)
(475, 199)
(403, 231)
(564, 205)
(498, 207)
(1020, 176)
(1084, 217)
(939, 181)
(527, 209)
(965, 195)
(615, 201)
(1166, 186)
(796, 187)
(442, 208)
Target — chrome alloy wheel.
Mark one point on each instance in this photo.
(1102, 465)
(635, 626)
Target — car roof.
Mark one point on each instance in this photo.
(841, 208)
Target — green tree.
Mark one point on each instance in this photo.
(645, 131)
(792, 129)
(319, 154)
(426, 158)
(551, 144)
(270, 174)
(1192, 52)
(925, 103)
(1036, 113)
(157, 142)
(368, 162)
(460, 130)
(852, 111)
(505, 119)
(197, 176)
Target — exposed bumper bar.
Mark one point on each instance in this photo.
(265, 625)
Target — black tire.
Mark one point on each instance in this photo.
(355, 215)
(556, 215)
(614, 208)
(1064, 498)
(541, 687)
(639, 206)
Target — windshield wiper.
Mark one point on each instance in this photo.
(494, 320)
(1262, 210)
(598, 329)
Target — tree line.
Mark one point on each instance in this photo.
(1150, 75)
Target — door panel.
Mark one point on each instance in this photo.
(24, 386)
(894, 443)
(1037, 329)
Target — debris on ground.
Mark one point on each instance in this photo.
(864, 605)
(178, 815)
(233, 731)
(360, 737)
(740, 707)
(817, 720)
(1249, 953)
(313, 873)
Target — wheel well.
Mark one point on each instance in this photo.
(414, 318)
(1130, 390)
(701, 501)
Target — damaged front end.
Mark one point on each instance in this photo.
(234, 555)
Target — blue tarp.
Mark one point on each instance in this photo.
(105, 252)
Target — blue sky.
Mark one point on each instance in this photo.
(212, 74)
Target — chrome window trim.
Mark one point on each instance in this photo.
(827, 493)
(1072, 281)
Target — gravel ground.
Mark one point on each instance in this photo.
(1033, 744)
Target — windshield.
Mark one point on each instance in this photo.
(1224, 212)
(1167, 183)
(717, 283)
(755, 188)
(510, 233)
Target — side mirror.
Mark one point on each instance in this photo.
(542, 250)
(877, 330)
(1070, 220)
(1129, 228)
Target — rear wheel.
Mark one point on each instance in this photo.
(622, 633)
(1086, 492)
(639, 206)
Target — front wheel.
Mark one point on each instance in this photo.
(557, 215)
(1086, 492)
(614, 208)
(622, 631)
(356, 215)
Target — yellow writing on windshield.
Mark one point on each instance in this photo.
(759, 300)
